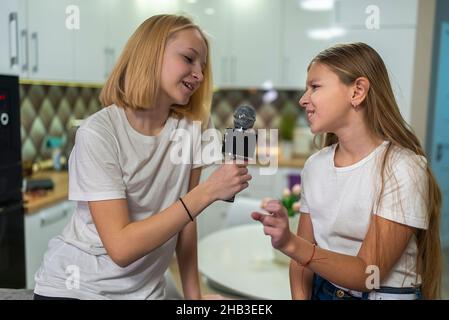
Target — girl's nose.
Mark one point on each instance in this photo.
(198, 75)
(304, 100)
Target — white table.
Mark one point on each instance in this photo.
(240, 259)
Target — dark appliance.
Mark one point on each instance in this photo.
(12, 237)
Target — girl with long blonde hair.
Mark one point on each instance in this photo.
(369, 227)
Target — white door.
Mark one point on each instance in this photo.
(298, 49)
(396, 46)
(51, 40)
(212, 16)
(255, 27)
(396, 13)
(122, 20)
(90, 41)
(9, 33)
(124, 17)
(40, 227)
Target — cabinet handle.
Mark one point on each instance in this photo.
(36, 52)
(45, 221)
(24, 35)
(13, 40)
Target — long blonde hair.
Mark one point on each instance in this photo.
(349, 62)
(135, 79)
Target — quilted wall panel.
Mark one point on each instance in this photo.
(48, 110)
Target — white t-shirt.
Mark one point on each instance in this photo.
(341, 200)
(110, 160)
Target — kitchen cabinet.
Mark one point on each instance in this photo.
(396, 46)
(13, 59)
(122, 21)
(92, 54)
(40, 227)
(244, 39)
(213, 17)
(397, 13)
(123, 17)
(297, 48)
(254, 54)
(50, 42)
(9, 33)
(252, 41)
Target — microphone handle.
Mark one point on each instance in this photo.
(233, 197)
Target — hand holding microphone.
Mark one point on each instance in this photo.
(228, 180)
(239, 143)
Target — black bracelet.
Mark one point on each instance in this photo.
(187, 210)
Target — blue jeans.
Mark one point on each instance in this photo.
(324, 290)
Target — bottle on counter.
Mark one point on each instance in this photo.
(56, 144)
(302, 137)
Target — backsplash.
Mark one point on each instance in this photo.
(49, 110)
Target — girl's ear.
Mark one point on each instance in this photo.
(360, 91)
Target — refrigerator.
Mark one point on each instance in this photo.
(12, 244)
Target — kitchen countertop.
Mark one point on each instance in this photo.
(34, 203)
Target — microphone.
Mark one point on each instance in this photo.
(240, 142)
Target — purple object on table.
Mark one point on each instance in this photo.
(293, 178)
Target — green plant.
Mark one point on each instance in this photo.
(287, 123)
(287, 127)
(290, 200)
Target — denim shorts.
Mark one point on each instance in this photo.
(325, 290)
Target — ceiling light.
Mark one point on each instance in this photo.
(326, 34)
(316, 5)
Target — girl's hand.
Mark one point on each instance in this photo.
(228, 180)
(275, 224)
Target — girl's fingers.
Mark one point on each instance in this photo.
(265, 219)
(268, 230)
(242, 165)
(276, 209)
(257, 216)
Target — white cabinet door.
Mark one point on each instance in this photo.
(13, 32)
(213, 17)
(355, 13)
(91, 41)
(124, 16)
(40, 227)
(255, 27)
(50, 41)
(244, 38)
(297, 48)
(397, 48)
(9, 33)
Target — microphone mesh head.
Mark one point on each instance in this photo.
(244, 117)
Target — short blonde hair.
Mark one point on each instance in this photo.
(135, 80)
